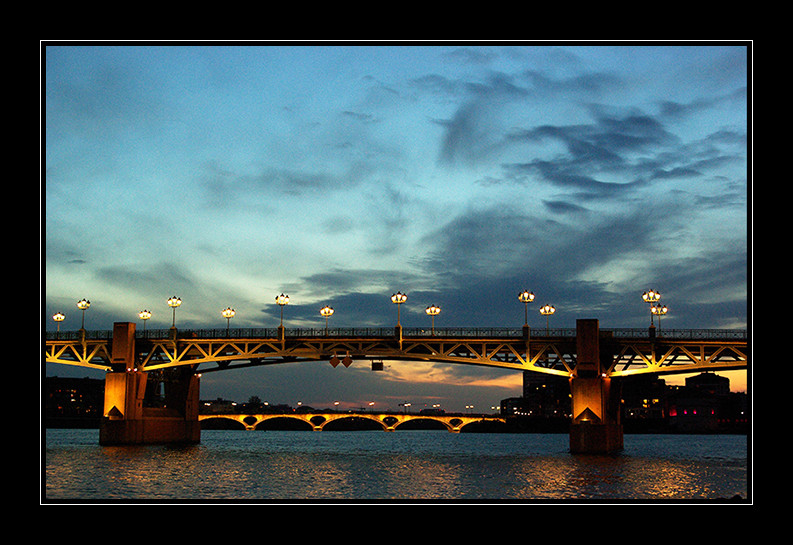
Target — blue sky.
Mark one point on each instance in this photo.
(339, 174)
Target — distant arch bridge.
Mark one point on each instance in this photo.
(388, 421)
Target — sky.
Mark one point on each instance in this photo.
(341, 173)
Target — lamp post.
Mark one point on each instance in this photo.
(144, 315)
(83, 305)
(650, 297)
(228, 313)
(433, 311)
(398, 298)
(282, 300)
(659, 310)
(58, 317)
(174, 302)
(526, 297)
(326, 312)
(547, 310)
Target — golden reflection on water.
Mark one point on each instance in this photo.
(269, 466)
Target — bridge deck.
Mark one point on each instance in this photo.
(553, 351)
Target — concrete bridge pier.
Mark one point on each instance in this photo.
(596, 427)
(126, 421)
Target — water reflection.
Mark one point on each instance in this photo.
(240, 465)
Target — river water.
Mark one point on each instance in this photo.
(403, 466)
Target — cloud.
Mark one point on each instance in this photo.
(563, 207)
(141, 279)
(420, 372)
(342, 175)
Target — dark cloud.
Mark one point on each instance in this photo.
(606, 144)
(473, 132)
(559, 173)
(562, 207)
(589, 84)
(467, 55)
(489, 242)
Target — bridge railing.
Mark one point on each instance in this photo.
(358, 332)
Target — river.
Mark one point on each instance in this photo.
(403, 467)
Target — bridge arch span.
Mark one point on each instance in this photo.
(318, 421)
(339, 421)
(223, 419)
(284, 422)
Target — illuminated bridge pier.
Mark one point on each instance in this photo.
(593, 360)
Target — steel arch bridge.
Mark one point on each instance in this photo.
(554, 352)
(588, 356)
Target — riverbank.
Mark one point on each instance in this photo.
(513, 425)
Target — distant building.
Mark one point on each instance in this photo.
(644, 398)
(217, 406)
(546, 396)
(704, 405)
(708, 384)
(544, 406)
(70, 402)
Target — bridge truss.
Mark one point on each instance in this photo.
(629, 352)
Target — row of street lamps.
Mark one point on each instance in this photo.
(651, 297)
(656, 309)
(546, 310)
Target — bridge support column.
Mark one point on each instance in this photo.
(596, 427)
(126, 421)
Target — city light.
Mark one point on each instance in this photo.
(58, 317)
(650, 297)
(326, 312)
(282, 300)
(398, 298)
(228, 313)
(83, 305)
(659, 310)
(432, 311)
(547, 311)
(526, 297)
(174, 302)
(144, 315)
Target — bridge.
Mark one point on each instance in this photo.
(633, 351)
(592, 359)
(388, 421)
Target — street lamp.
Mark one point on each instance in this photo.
(398, 298)
(144, 315)
(433, 310)
(658, 310)
(282, 301)
(228, 313)
(326, 312)
(650, 297)
(174, 302)
(83, 305)
(547, 310)
(58, 317)
(526, 297)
